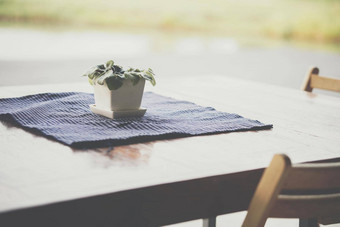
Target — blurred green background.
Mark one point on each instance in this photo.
(316, 21)
(270, 41)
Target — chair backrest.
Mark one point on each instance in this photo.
(313, 80)
(299, 191)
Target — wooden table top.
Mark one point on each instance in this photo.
(163, 182)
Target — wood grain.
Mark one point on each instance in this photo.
(42, 178)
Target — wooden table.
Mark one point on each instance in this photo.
(44, 183)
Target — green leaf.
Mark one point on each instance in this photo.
(91, 76)
(149, 75)
(113, 83)
(90, 71)
(135, 79)
(96, 73)
(101, 67)
(90, 81)
(127, 75)
(118, 68)
(135, 74)
(106, 75)
(120, 75)
(114, 75)
(109, 64)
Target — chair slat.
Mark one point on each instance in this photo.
(306, 84)
(313, 177)
(316, 187)
(267, 191)
(325, 83)
(306, 206)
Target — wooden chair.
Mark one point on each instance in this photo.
(313, 80)
(310, 192)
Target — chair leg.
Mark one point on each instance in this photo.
(310, 222)
(209, 222)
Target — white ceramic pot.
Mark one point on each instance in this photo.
(127, 97)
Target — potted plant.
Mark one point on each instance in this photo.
(118, 92)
